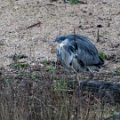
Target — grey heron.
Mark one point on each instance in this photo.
(78, 53)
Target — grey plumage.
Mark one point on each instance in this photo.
(76, 52)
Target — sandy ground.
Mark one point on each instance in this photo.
(57, 18)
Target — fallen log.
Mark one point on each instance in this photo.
(103, 89)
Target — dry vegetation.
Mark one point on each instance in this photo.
(34, 88)
(43, 92)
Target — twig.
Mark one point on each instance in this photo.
(35, 24)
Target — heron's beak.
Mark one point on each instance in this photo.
(54, 45)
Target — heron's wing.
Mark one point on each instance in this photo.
(86, 51)
(76, 64)
(70, 58)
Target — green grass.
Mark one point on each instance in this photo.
(101, 34)
(44, 61)
(1, 43)
(94, 35)
(102, 54)
(49, 68)
(60, 84)
(34, 75)
(118, 59)
(73, 1)
(9, 80)
(117, 70)
(22, 72)
(19, 55)
(19, 64)
(105, 33)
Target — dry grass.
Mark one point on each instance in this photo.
(57, 18)
(33, 92)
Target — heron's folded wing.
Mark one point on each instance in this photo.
(86, 52)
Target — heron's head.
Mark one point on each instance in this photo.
(57, 41)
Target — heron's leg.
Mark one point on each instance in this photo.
(91, 75)
(78, 78)
(77, 75)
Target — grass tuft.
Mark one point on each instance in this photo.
(60, 84)
(117, 70)
(102, 54)
(49, 68)
(20, 65)
(44, 61)
(73, 1)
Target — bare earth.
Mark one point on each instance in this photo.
(57, 18)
